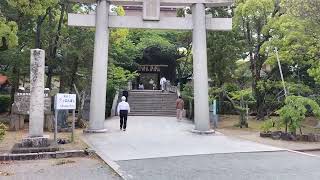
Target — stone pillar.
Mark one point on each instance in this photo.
(36, 111)
(200, 70)
(99, 70)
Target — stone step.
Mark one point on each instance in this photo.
(153, 114)
(152, 108)
(152, 103)
(147, 97)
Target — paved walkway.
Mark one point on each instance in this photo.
(154, 137)
(278, 165)
(161, 148)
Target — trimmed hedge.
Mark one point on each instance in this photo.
(4, 103)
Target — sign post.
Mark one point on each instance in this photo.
(64, 102)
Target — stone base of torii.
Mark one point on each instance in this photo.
(150, 18)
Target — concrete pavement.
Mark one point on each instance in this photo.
(153, 137)
(278, 165)
(161, 148)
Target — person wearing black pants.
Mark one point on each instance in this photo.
(123, 119)
(123, 110)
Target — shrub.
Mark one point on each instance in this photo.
(270, 124)
(294, 111)
(4, 103)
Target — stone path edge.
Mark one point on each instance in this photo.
(304, 153)
(43, 155)
(244, 152)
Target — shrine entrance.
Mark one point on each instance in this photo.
(151, 17)
(149, 81)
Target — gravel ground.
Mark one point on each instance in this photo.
(54, 169)
(240, 166)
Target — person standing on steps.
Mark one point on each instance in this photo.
(123, 110)
(125, 94)
(151, 83)
(141, 86)
(179, 107)
(163, 82)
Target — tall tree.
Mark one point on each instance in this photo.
(251, 17)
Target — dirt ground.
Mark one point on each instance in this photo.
(226, 125)
(52, 169)
(13, 137)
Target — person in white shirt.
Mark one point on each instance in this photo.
(163, 82)
(141, 86)
(123, 110)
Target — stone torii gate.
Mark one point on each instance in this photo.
(151, 19)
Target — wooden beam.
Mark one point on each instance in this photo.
(209, 3)
(136, 22)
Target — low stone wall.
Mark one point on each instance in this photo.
(20, 109)
(290, 137)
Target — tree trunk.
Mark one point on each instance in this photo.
(73, 74)
(49, 77)
(38, 33)
(53, 46)
(15, 83)
(259, 104)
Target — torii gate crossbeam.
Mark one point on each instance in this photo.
(151, 19)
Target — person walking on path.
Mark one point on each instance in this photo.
(179, 107)
(123, 110)
(163, 82)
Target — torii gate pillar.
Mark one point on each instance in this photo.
(200, 70)
(99, 70)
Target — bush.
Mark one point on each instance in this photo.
(270, 125)
(4, 103)
(293, 113)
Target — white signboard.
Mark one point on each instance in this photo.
(65, 101)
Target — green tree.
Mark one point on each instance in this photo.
(293, 113)
(251, 17)
(8, 33)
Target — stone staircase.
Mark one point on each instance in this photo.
(152, 103)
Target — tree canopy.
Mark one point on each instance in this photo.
(244, 58)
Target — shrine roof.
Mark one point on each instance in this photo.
(209, 3)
